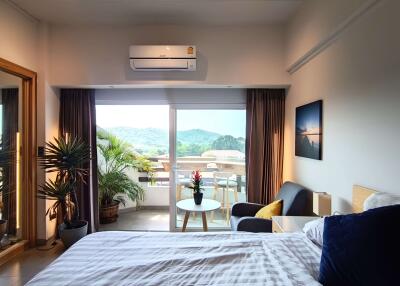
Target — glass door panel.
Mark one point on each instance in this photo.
(213, 142)
(139, 132)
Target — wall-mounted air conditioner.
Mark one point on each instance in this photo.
(162, 58)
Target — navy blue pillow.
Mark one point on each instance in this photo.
(362, 249)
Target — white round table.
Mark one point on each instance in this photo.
(189, 206)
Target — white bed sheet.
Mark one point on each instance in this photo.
(219, 258)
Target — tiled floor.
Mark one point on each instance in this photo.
(158, 220)
(23, 267)
(145, 220)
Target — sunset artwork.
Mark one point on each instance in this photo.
(309, 130)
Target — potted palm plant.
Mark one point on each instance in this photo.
(116, 157)
(65, 158)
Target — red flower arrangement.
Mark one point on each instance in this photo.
(197, 181)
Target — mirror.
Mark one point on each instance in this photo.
(10, 157)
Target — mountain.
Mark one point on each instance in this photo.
(155, 139)
(141, 137)
(196, 136)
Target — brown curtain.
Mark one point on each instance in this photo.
(9, 102)
(78, 119)
(265, 112)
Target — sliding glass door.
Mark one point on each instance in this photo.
(136, 137)
(174, 141)
(212, 141)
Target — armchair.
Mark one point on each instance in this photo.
(297, 201)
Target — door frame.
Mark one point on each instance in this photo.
(28, 149)
(173, 108)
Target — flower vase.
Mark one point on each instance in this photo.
(198, 197)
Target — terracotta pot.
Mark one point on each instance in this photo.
(109, 214)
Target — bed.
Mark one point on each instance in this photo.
(220, 258)
(151, 258)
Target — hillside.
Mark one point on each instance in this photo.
(196, 136)
(155, 140)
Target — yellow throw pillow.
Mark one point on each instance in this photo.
(273, 209)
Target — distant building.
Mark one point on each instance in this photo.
(221, 154)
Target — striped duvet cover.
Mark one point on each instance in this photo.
(219, 258)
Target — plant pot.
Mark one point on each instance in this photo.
(109, 214)
(198, 197)
(3, 227)
(71, 235)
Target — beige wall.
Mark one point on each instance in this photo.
(48, 110)
(313, 21)
(99, 55)
(358, 78)
(24, 41)
(18, 37)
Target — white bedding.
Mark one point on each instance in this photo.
(148, 258)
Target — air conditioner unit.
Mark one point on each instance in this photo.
(162, 58)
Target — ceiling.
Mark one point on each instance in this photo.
(179, 12)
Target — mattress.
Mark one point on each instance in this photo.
(219, 258)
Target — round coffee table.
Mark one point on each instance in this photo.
(189, 206)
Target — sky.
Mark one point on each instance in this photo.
(225, 122)
(308, 117)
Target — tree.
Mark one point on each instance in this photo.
(227, 142)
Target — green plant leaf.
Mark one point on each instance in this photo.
(116, 157)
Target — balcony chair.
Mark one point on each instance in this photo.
(297, 201)
(184, 181)
(225, 182)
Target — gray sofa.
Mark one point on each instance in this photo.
(297, 201)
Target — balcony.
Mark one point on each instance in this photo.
(223, 180)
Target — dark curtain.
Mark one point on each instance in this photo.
(78, 119)
(265, 112)
(9, 101)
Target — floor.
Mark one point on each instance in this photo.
(158, 220)
(23, 267)
(145, 220)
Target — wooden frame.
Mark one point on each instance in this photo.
(360, 194)
(28, 148)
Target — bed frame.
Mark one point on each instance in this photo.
(360, 194)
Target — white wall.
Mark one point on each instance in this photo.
(358, 79)
(313, 21)
(98, 55)
(155, 196)
(47, 117)
(18, 42)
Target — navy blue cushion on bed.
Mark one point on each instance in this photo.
(362, 249)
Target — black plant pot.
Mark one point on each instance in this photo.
(198, 197)
(71, 235)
